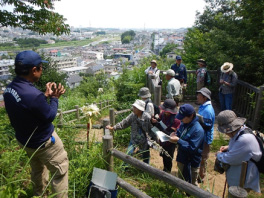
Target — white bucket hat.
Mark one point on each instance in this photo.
(139, 104)
(226, 67)
(169, 72)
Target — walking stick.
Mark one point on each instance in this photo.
(224, 189)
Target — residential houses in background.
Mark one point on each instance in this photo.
(105, 54)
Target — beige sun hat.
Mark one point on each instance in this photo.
(154, 61)
(226, 67)
(228, 122)
(139, 104)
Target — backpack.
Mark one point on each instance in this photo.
(207, 78)
(95, 191)
(156, 108)
(260, 163)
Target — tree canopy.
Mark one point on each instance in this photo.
(127, 36)
(35, 15)
(170, 47)
(229, 31)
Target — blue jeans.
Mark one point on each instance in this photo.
(145, 154)
(225, 101)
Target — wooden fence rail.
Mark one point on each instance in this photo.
(247, 102)
(109, 153)
(102, 105)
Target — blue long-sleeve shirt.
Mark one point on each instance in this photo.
(207, 111)
(190, 144)
(29, 112)
(180, 72)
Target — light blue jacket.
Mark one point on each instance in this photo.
(207, 111)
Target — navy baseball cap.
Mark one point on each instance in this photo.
(185, 110)
(178, 58)
(29, 59)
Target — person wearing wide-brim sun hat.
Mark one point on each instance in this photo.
(140, 122)
(243, 146)
(145, 95)
(167, 117)
(153, 71)
(228, 81)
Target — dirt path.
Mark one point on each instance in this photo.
(214, 182)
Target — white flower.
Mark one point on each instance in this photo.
(100, 90)
(90, 110)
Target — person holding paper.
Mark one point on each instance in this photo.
(206, 110)
(167, 123)
(190, 138)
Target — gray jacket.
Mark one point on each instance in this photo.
(230, 78)
(139, 128)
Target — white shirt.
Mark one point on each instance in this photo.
(173, 88)
(149, 107)
(242, 149)
(156, 73)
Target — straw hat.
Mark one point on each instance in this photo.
(226, 67)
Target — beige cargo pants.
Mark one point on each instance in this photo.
(51, 158)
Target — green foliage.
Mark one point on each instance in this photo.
(100, 33)
(30, 42)
(34, 15)
(6, 44)
(90, 85)
(50, 74)
(170, 47)
(229, 31)
(127, 36)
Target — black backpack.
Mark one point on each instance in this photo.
(260, 163)
(156, 108)
(207, 79)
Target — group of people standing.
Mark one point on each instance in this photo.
(192, 133)
(31, 113)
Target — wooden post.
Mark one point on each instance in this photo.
(243, 174)
(60, 116)
(157, 95)
(105, 123)
(161, 175)
(107, 146)
(237, 192)
(131, 189)
(258, 108)
(77, 112)
(101, 106)
(112, 116)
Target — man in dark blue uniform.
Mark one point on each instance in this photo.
(180, 71)
(31, 116)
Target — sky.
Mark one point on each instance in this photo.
(162, 14)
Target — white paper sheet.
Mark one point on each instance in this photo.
(162, 136)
